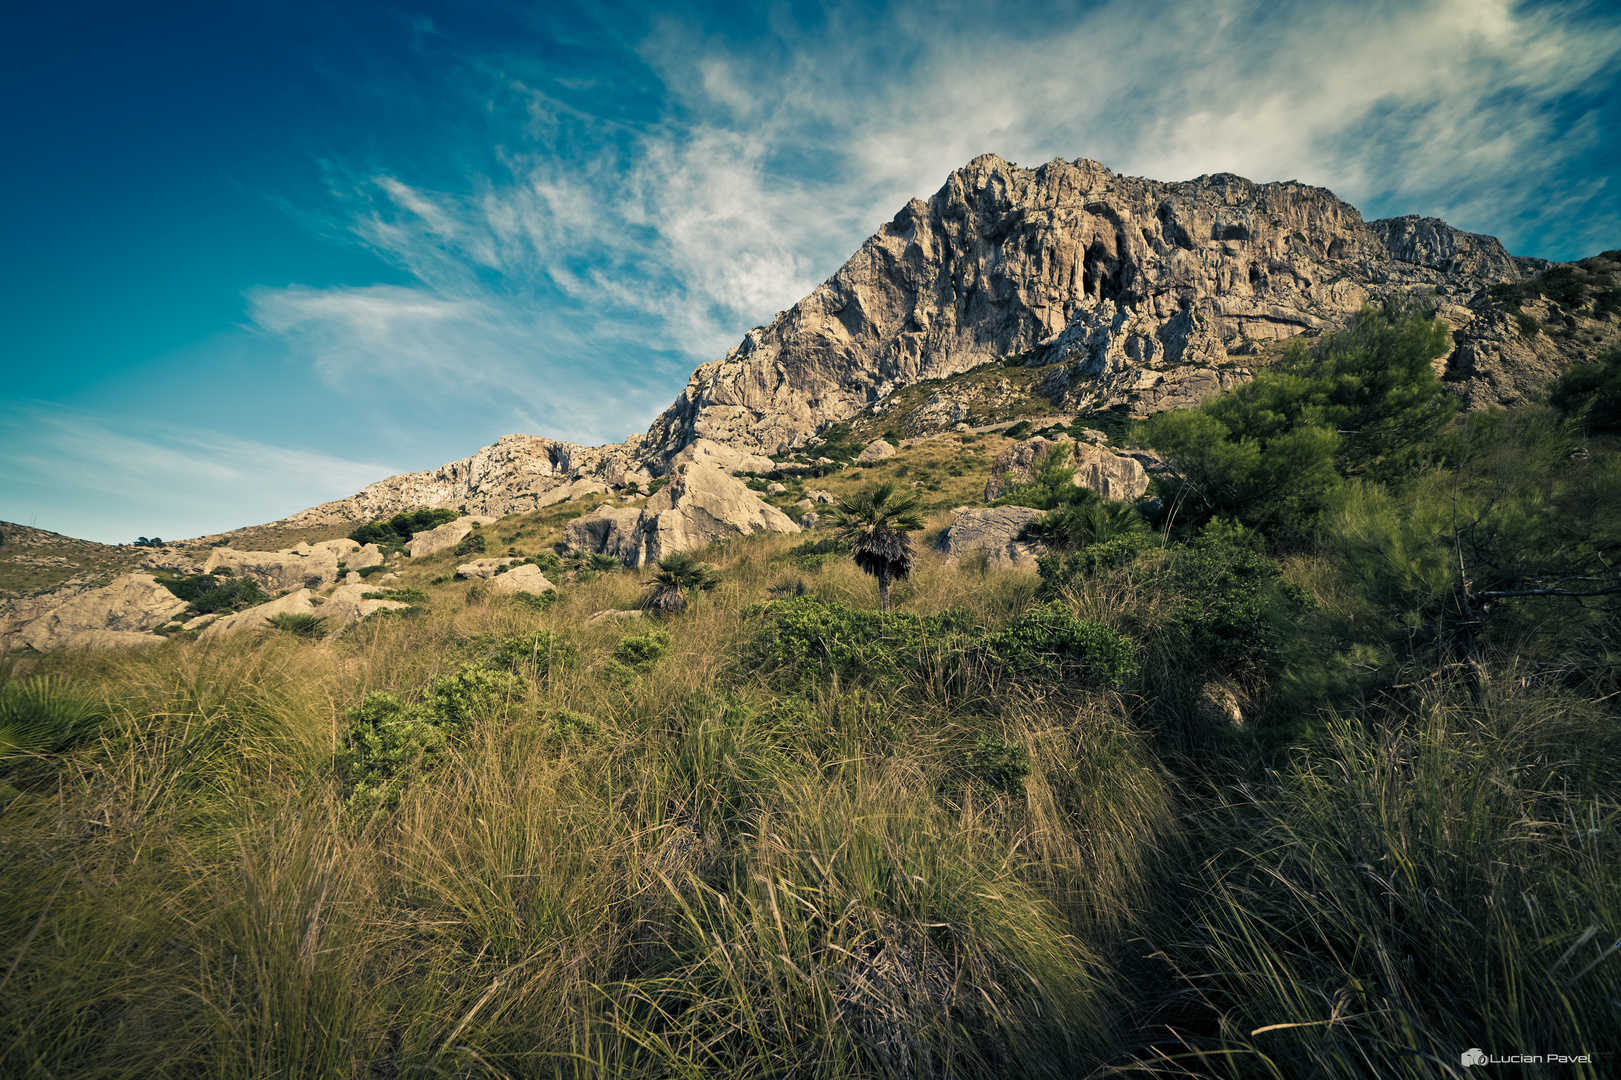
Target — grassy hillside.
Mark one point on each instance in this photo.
(1313, 819)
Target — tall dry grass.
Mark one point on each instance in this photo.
(686, 870)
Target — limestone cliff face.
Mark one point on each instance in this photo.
(1143, 288)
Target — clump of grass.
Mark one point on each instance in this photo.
(298, 624)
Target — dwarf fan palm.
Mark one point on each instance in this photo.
(875, 525)
(677, 573)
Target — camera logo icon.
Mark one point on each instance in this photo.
(1473, 1056)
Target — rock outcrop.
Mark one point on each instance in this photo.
(482, 568)
(994, 530)
(443, 537)
(1138, 286)
(875, 451)
(121, 613)
(347, 604)
(515, 475)
(522, 579)
(700, 505)
(1114, 476)
(303, 567)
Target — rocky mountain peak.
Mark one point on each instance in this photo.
(1145, 286)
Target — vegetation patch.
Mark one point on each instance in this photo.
(395, 531)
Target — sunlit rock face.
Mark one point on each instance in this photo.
(1149, 292)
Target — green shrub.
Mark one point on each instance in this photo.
(1049, 642)
(471, 544)
(1236, 609)
(997, 766)
(1088, 519)
(642, 651)
(207, 595)
(536, 653)
(1062, 573)
(812, 554)
(547, 561)
(401, 527)
(380, 568)
(536, 601)
(390, 744)
(1051, 483)
(807, 641)
(407, 595)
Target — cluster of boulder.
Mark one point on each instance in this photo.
(700, 504)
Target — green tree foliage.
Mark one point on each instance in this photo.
(471, 544)
(875, 524)
(1272, 453)
(1592, 393)
(208, 595)
(394, 531)
(1517, 549)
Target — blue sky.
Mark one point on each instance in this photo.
(259, 255)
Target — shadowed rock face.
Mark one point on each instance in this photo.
(1137, 284)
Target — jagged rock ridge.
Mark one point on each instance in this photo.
(1148, 292)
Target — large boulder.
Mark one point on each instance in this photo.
(354, 556)
(302, 567)
(981, 528)
(700, 505)
(522, 579)
(115, 614)
(445, 537)
(1111, 475)
(875, 451)
(483, 568)
(1114, 476)
(607, 528)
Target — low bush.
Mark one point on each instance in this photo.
(1049, 642)
(471, 544)
(392, 742)
(207, 595)
(394, 531)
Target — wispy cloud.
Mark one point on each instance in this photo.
(606, 255)
(139, 477)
